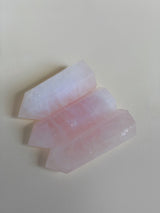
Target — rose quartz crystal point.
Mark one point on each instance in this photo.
(103, 137)
(64, 126)
(74, 120)
(57, 92)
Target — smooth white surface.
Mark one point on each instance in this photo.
(120, 40)
(68, 85)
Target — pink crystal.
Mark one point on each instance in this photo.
(74, 120)
(63, 127)
(102, 138)
(57, 92)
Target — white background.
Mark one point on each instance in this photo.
(120, 40)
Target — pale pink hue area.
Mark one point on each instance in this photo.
(103, 137)
(61, 128)
(57, 92)
(74, 120)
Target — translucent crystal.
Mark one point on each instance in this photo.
(57, 92)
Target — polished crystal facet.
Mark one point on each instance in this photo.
(103, 137)
(63, 127)
(57, 92)
(74, 120)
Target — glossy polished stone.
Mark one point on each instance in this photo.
(103, 137)
(63, 127)
(74, 120)
(57, 92)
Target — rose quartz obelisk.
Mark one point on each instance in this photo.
(57, 92)
(74, 120)
(61, 128)
(101, 138)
